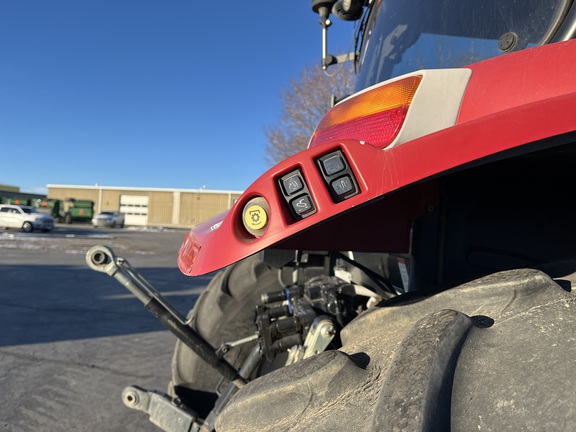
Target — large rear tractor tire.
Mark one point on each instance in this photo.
(223, 313)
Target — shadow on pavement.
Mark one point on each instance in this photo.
(41, 304)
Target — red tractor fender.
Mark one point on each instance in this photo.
(509, 103)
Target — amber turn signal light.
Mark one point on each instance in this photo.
(374, 116)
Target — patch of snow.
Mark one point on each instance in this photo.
(150, 229)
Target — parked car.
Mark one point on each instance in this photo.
(108, 219)
(25, 217)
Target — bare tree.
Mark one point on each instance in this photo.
(304, 103)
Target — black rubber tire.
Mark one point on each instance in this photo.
(27, 227)
(224, 312)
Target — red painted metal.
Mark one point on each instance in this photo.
(505, 107)
(518, 79)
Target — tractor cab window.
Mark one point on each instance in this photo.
(403, 36)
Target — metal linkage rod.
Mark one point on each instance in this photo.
(102, 259)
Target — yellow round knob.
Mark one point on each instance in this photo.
(255, 217)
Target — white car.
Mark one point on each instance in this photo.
(108, 219)
(24, 217)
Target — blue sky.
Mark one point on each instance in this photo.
(147, 93)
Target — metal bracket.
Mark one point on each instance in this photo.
(321, 333)
(329, 59)
(319, 337)
(164, 412)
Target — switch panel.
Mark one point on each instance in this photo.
(338, 176)
(297, 195)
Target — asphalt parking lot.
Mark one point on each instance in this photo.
(71, 339)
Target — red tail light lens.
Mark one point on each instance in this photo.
(187, 253)
(374, 116)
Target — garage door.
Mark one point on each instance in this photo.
(135, 209)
